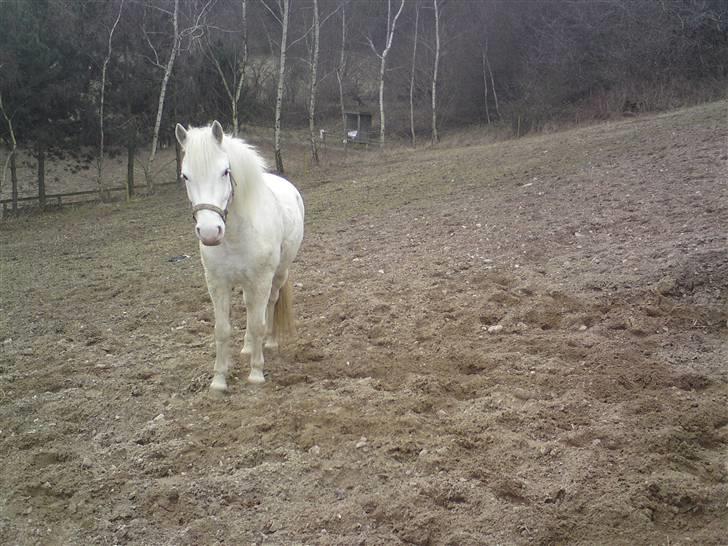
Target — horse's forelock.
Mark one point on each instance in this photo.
(201, 147)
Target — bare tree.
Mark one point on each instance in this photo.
(435, 137)
(484, 56)
(391, 26)
(234, 88)
(341, 67)
(174, 51)
(107, 59)
(486, 63)
(314, 58)
(282, 16)
(412, 75)
(10, 159)
(192, 33)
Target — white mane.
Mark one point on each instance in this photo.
(247, 167)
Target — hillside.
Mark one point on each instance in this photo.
(520, 342)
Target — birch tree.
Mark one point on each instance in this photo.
(486, 66)
(486, 59)
(436, 8)
(484, 56)
(282, 17)
(234, 88)
(391, 26)
(314, 58)
(107, 59)
(10, 159)
(174, 51)
(341, 68)
(191, 33)
(412, 76)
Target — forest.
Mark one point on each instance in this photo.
(103, 74)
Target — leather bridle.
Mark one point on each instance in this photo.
(214, 208)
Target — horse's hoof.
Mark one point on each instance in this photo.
(256, 377)
(218, 385)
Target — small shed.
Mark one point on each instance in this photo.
(358, 127)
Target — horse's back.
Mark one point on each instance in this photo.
(285, 192)
(291, 207)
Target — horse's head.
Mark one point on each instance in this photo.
(206, 174)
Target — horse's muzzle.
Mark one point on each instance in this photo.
(210, 233)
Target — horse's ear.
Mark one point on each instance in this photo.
(181, 135)
(217, 131)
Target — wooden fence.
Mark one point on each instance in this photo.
(76, 197)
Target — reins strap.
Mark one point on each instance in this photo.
(213, 208)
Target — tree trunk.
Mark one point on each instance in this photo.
(100, 160)
(492, 82)
(340, 70)
(485, 89)
(412, 77)
(435, 136)
(313, 85)
(243, 70)
(279, 92)
(41, 176)
(11, 159)
(233, 93)
(391, 25)
(162, 92)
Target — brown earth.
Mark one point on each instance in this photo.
(514, 343)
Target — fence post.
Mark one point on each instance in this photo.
(14, 182)
(41, 175)
(131, 152)
(178, 155)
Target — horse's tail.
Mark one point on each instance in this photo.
(284, 324)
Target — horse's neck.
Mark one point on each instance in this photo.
(247, 171)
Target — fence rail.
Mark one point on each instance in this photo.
(7, 204)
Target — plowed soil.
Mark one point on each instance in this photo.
(514, 343)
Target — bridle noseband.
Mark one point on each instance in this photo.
(214, 208)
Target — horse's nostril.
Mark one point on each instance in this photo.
(219, 230)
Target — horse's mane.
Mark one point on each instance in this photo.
(244, 158)
(247, 167)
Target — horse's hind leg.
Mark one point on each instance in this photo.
(220, 295)
(256, 299)
(279, 279)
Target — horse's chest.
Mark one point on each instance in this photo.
(234, 264)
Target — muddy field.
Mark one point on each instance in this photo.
(515, 343)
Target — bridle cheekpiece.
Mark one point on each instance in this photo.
(214, 208)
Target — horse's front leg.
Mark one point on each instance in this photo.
(256, 301)
(220, 293)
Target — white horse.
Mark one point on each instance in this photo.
(250, 226)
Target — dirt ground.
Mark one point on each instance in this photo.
(513, 343)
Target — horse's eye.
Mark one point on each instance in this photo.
(184, 177)
(226, 173)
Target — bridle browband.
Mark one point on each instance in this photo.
(214, 208)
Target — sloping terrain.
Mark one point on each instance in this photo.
(515, 343)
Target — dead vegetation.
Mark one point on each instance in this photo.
(597, 411)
